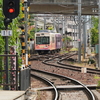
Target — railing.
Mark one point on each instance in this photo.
(11, 76)
(9, 72)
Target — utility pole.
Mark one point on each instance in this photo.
(54, 23)
(26, 34)
(58, 23)
(63, 28)
(79, 31)
(84, 37)
(36, 18)
(73, 37)
(44, 23)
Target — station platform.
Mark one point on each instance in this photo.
(12, 95)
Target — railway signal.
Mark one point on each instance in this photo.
(11, 8)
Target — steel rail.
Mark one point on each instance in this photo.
(55, 89)
(89, 70)
(90, 94)
(70, 66)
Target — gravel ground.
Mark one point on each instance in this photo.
(85, 78)
(80, 95)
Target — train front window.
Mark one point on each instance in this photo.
(42, 40)
(38, 40)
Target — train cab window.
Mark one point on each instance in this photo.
(42, 40)
(45, 40)
(38, 40)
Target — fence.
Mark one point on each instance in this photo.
(8, 72)
(11, 77)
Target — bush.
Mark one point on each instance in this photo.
(91, 61)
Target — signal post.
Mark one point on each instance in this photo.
(10, 11)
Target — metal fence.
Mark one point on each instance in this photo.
(11, 76)
(9, 72)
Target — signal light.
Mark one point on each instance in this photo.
(11, 8)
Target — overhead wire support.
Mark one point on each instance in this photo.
(79, 31)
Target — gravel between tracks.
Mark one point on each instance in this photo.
(85, 78)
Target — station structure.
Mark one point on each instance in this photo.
(64, 7)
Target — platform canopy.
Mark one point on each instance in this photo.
(68, 7)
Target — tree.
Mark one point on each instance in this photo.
(94, 36)
(94, 31)
(66, 41)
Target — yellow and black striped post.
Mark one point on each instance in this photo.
(22, 37)
(29, 63)
(23, 47)
(25, 36)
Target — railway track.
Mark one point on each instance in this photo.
(77, 68)
(57, 66)
(68, 66)
(49, 82)
(38, 73)
(49, 56)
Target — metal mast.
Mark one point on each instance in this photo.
(79, 31)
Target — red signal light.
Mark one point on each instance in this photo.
(11, 10)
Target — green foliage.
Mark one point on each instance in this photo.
(94, 31)
(19, 61)
(91, 61)
(73, 49)
(95, 21)
(98, 86)
(96, 77)
(98, 83)
(67, 38)
(32, 33)
(13, 40)
(94, 36)
(1, 69)
(15, 35)
(2, 43)
(50, 28)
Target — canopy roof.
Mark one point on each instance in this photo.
(68, 7)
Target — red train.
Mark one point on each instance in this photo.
(47, 41)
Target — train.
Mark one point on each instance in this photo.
(47, 41)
